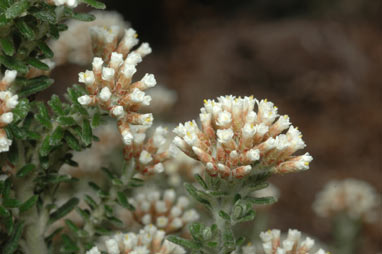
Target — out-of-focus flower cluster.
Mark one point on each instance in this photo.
(149, 240)
(110, 87)
(293, 244)
(235, 139)
(74, 44)
(181, 168)
(166, 211)
(358, 199)
(8, 101)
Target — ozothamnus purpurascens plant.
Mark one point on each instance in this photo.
(241, 143)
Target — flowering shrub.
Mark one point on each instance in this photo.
(77, 174)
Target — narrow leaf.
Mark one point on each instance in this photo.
(7, 46)
(64, 210)
(25, 170)
(28, 204)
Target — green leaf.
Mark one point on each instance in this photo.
(184, 242)
(57, 136)
(25, 30)
(37, 64)
(91, 202)
(66, 120)
(96, 119)
(25, 170)
(262, 200)
(46, 15)
(68, 245)
(72, 141)
(56, 105)
(16, 9)
(224, 215)
(122, 200)
(200, 180)
(95, 4)
(12, 244)
(7, 45)
(72, 226)
(4, 212)
(35, 85)
(64, 209)
(83, 213)
(45, 49)
(87, 134)
(83, 17)
(13, 64)
(196, 194)
(45, 146)
(21, 110)
(28, 204)
(11, 203)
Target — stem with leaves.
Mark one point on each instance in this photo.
(230, 204)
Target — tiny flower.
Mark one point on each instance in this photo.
(86, 77)
(84, 100)
(105, 94)
(165, 211)
(6, 118)
(5, 143)
(149, 81)
(234, 140)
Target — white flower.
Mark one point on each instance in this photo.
(105, 94)
(112, 246)
(97, 63)
(129, 70)
(145, 157)
(149, 80)
(108, 74)
(224, 119)
(225, 135)
(127, 137)
(118, 111)
(84, 100)
(9, 76)
(86, 77)
(133, 58)
(116, 60)
(93, 250)
(5, 143)
(6, 118)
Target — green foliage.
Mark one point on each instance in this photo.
(26, 25)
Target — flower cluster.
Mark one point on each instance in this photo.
(74, 44)
(110, 87)
(149, 240)
(180, 167)
(356, 198)
(235, 139)
(168, 212)
(148, 153)
(291, 245)
(8, 101)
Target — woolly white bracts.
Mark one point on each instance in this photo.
(149, 154)
(234, 138)
(165, 210)
(8, 101)
(293, 244)
(355, 197)
(149, 240)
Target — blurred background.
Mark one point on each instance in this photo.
(319, 61)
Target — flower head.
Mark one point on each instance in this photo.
(165, 210)
(234, 139)
(358, 199)
(149, 240)
(8, 101)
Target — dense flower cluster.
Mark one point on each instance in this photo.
(110, 86)
(148, 153)
(74, 44)
(149, 240)
(234, 138)
(8, 101)
(167, 211)
(357, 198)
(272, 244)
